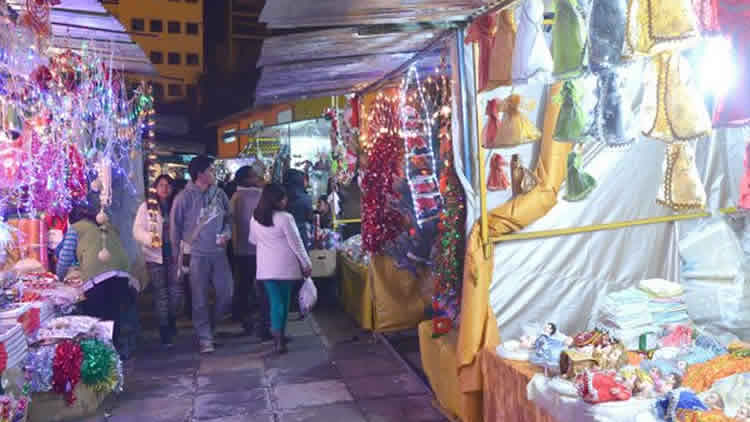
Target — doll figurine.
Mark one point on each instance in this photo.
(498, 180)
(578, 183)
(675, 401)
(601, 387)
(644, 388)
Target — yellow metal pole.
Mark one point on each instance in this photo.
(483, 222)
(598, 227)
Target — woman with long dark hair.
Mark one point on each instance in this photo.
(281, 254)
(151, 231)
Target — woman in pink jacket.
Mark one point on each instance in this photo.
(282, 258)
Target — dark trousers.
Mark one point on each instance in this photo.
(244, 281)
(108, 301)
(251, 295)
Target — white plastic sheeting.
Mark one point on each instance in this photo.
(564, 279)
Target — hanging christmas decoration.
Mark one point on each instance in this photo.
(447, 271)
(67, 369)
(380, 223)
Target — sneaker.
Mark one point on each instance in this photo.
(207, 348)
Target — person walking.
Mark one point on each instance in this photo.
(243, 203)
(104, 267)
(284, 260)
(200, 227)
(151, 231)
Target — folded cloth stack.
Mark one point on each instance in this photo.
(627, 314)
(13, 340)
(666, 302)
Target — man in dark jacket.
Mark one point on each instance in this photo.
(300, 202)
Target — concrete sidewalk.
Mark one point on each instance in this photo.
(332, 373)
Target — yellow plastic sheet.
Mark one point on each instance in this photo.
(478, 328)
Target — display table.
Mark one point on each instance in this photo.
(382, 297)
(505, 396)
(440, 364)
(355, 293)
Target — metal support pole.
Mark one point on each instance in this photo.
(483, 220)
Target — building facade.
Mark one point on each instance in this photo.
(171, 32)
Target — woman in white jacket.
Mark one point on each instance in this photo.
(151, 231)
(281, 254)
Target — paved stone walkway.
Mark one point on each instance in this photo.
(329, 375)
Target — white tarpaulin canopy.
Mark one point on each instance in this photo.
(86, 25)
(373, 40)
(312, 13)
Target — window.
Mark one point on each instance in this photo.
(156, 26)
(192, 91)
(174, 90)
(173, 58)
(191, 28)
(229, 136)
(157, 57)
(192, 59)
(137, 25)
(157, 90)
(173, 27)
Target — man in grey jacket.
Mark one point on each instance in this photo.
(201, 219)
(249, 188)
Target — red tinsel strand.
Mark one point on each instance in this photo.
(66, 369)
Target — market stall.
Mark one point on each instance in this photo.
(71, 130)
(612, 228)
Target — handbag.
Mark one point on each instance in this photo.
(323, 262)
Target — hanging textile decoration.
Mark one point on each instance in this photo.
(734, 108)
(615, 121)
(531, 56)
(578, 183)
(681, 187)
(570, 37)
(522, 179)
(514, 128)
(607, 33)
(672, 111)
(655, 26)
(744, 202)
(496, 35)
(577, 112)
(706, 11)
(497, 180)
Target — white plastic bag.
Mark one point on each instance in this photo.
(308, 296)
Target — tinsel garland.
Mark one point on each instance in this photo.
(98, 362)
(38, 369)
(447, 271)
(66, 369)
(381, 223)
